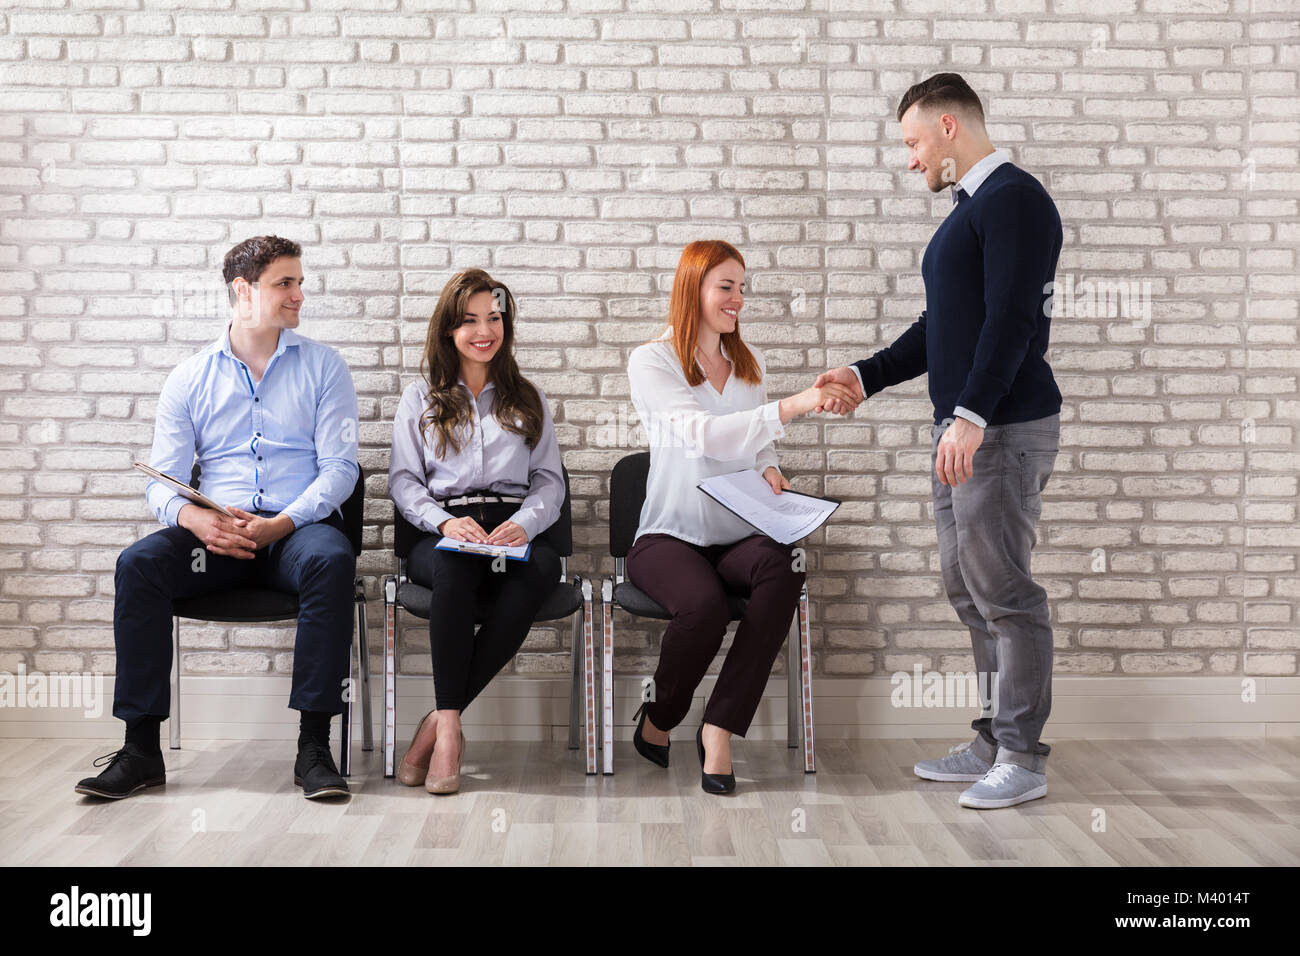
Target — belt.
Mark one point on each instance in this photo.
(480, 500)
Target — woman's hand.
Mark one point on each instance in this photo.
(836, 395)
(463, 529)
(845, 376)
(812, 400)
(509, 534)
(772, 475)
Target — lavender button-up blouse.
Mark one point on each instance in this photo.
(492, 459)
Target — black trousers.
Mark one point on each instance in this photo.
(466, 589)
(314, 561)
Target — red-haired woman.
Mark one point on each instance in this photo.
(700, 393)
(473, 427)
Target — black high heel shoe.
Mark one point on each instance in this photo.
(652, 752)
(713, 782)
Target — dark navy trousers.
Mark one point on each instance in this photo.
(314, 561)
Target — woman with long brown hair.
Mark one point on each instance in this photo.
(474, 459)
(700, 393)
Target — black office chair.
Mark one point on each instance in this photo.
(626, 496)
(400, 591)
(261, 606)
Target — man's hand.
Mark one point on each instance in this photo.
(842, 376)
(262, 530)
(508, 533)
(955, 457)
(219, 534)
(772, 475)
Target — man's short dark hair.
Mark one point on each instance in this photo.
(945, 91)
(251, 257)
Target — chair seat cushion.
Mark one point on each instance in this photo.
(635, 601)
(561, 602)
(239, 605)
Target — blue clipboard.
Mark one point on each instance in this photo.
(466, 547)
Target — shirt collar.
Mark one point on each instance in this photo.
(490, 384)
(667, 335)
(980, 172)
(288, 337)
(722, 347)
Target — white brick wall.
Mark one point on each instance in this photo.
(573, 148)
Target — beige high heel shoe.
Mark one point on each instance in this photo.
(409, 773)
(447, 784)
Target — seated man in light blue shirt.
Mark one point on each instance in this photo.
(271, 417)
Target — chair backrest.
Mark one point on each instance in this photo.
(559, 535)
(352, 508)
(626, 496)
(352, 511)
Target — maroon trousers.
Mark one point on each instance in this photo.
(691, 581)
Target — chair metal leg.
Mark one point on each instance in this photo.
(356, 649)
(792, 690)
(345, 729)
(805, 683)
(363, 659)
(390, 671)
(589, 676)
(607, 674)
(575, 676)
(174, 719)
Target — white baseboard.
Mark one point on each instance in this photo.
(523, 708)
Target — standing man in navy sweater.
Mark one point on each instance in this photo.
(988, 272)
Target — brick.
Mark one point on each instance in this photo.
(573, 153)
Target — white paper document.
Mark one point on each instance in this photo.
(518, 553)
(786, 517)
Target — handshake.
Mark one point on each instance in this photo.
(837, 391)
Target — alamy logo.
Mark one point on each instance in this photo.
(22, 689)
(950, 689)
(102, 909)
(1099, 299)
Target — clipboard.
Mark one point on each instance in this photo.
(182, 489)
(798, 533)
(486, 550)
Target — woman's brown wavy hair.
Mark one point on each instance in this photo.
(518, 406)
(684, 311)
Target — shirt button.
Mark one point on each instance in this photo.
(256, 399)
(259, 457)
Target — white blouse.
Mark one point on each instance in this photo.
(696, 433)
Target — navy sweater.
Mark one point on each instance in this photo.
(988, 271)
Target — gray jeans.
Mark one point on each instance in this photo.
(986, 534)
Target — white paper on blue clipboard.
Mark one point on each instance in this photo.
(516, 553)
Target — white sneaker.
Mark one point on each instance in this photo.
(1005, 785)
(962, 763)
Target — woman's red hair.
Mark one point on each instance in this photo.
(684, 311)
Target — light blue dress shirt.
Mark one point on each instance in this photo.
(286, 444)
(490, 459)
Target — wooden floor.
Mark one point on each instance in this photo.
(1109, 803)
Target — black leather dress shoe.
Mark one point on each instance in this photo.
(652, 752)
(316, 773)
(129, 770)
(712, 782)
